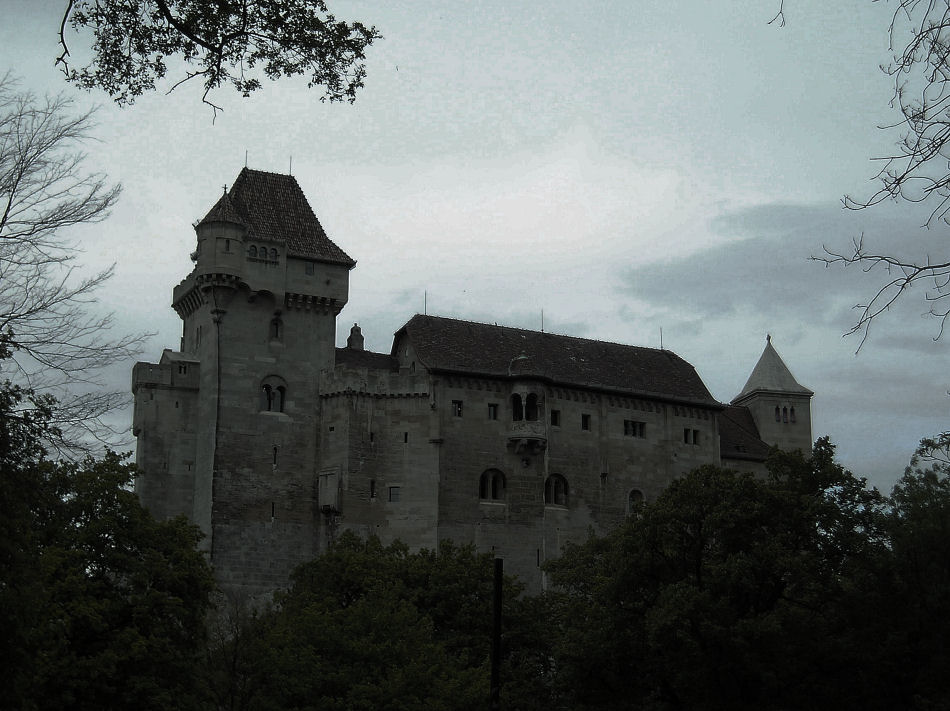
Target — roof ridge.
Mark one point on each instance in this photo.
(545, 333)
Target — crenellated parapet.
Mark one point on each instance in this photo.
(345, 381)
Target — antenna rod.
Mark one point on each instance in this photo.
(542, 320)
(425, 303)
(661, 338)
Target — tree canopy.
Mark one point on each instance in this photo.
(229, 42)
(102, 606)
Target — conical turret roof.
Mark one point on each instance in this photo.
(224, 211)
(771, 375)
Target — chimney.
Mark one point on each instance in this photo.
(355, 340)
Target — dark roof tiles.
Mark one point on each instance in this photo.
(449, 345)
(273, 207)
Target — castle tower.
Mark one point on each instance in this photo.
(780, 406)
(237, 451)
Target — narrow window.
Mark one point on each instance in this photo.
(372, 488)
(372, 436)
(275, 455)
(267, 398)
(176, 404)
(227, 245)
(785, 415)
(585, 422)
(633, 428)
(778, 414)
(308, 268)
(281, 396)
(276, 328)
(198, 336)
(555, 490)
(791, 415)
(273, 254)
(555, 418)
(405, 437)
(394, 494)
(182, 368)
(273, 509)
(531, 408)
(252, 251)
(634, 502)
(517, 411)
(493, 411)
(690, 436)
(456, 408)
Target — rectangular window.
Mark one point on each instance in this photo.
(690, 436)
(457, 408)
(394, 494)
(405, 437)
(585, 422)
(493, 411)
(308, 268)
(555, 418)
(634, 428)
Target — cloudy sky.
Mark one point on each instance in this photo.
(625, 167)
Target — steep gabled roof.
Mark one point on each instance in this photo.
(465, 347)
(739, 437)
(273, 207)
(771, 375)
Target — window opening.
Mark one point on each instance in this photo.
(252, 251)
(394, 494)
(531, 408)
(517, 410)
(273, 254)
(273, 509)
(555, 490)
(585, 422)
(634, 502)
(456, 408)
(778, 414)
(555, 418)
(372, 488)
(308, 268)
(785, 415)
(791, 415)
(690, 436)
(276, 328)
(405, 437)
(634, 428)
(491, 485)
(493, 411)
(275, 455)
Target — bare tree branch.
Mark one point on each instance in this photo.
(59, 344)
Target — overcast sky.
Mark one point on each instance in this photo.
(624, 167)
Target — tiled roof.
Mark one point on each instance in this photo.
(739, 437)
(448, 345)
(366, 359)
(771, 375)
(273, 207)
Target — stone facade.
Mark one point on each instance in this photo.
(274, 441)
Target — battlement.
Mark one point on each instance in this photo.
(173, 372)
(352, 380)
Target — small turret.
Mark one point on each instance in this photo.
(221, 239)
(355, 340)
(780, 406)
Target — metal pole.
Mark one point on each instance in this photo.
(496, 639)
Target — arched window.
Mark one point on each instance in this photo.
(791, 415)
(785, 415)
(273, 254)
(531, 408)
(517, 411)
(778, 414)
(491, 485)
(555, 490)
(252, 251)
(634, 502)
(273, 394)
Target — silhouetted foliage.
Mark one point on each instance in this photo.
(225, 42)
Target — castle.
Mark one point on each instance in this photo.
(274, 441)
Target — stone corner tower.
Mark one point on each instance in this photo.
(226, 425)
(780, 406)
